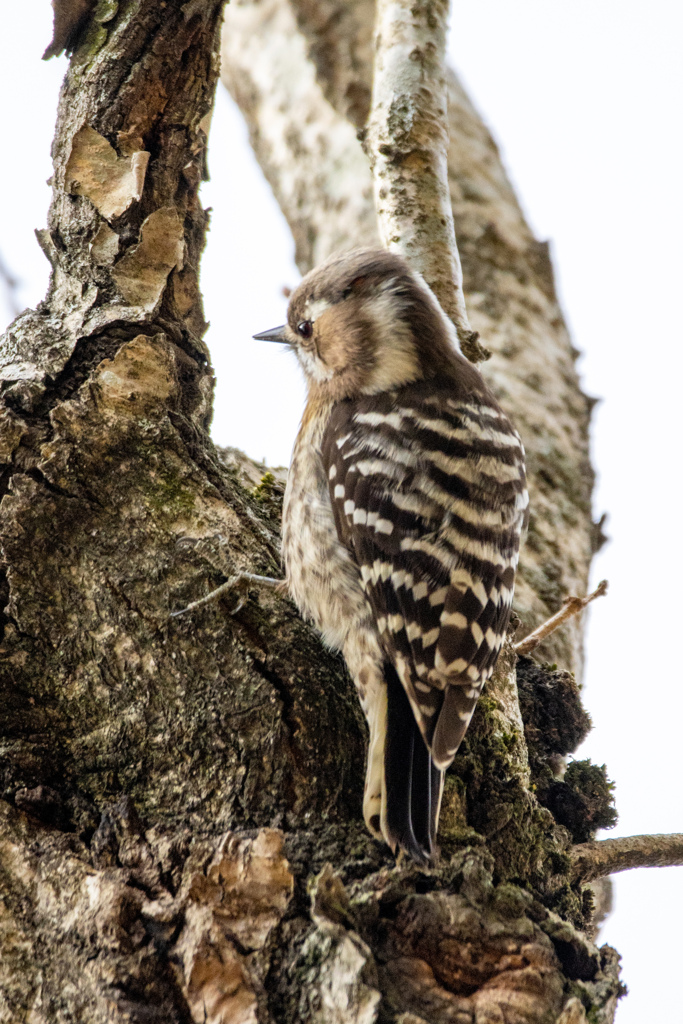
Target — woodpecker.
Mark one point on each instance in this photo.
(403, 511)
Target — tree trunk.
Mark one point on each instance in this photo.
(180, 829)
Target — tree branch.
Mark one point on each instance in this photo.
(571, 607)
(607, 856)
(407, 143)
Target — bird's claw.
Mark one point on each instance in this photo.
(238, 583)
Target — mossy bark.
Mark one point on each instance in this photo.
(180, 827)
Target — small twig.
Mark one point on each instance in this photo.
(407, 143)
(235, 583)
(607, 856)
(571, 607)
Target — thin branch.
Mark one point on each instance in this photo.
(407, 143)
(571, 607)
(607, 856)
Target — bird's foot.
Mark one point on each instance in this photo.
(239, 585)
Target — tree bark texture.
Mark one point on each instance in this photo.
(180, 825)
(406, 140)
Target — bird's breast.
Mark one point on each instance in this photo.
(322, 576)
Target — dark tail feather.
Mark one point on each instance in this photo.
(425, 796)
(454, 717)
(413, 783)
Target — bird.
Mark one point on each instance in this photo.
(403, 511)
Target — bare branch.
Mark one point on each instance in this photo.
(571, 607)
(407, 143)
(607, 856)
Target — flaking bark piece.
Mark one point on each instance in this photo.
(104, 247)
(141, 274)
(247, 886)
(111, 182)
(230, 911)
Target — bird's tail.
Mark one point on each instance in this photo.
(411, 785)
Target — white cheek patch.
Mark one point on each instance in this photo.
(396, 360)
(312, 366)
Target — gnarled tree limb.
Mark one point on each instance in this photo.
(608, 856)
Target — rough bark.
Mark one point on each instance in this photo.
(180, 827)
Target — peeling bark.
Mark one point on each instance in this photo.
(180, 824)
(110, 182)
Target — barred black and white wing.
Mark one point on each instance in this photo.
(429, 495)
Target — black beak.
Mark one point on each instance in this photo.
(274, 334)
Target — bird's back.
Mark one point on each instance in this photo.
(428, 490)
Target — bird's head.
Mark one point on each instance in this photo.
(363, 322)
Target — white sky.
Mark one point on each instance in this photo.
(584, 100)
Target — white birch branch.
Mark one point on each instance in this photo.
(407, 144)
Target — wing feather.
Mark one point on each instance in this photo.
(431, 505)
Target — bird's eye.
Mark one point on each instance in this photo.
(305, 328)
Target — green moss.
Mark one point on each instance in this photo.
(106, 10)
(99, 38)
(560, 863)
(487, 705)
(590, 781)
(510, 901)
(264, 490)
(95, 35)
(167, 492)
